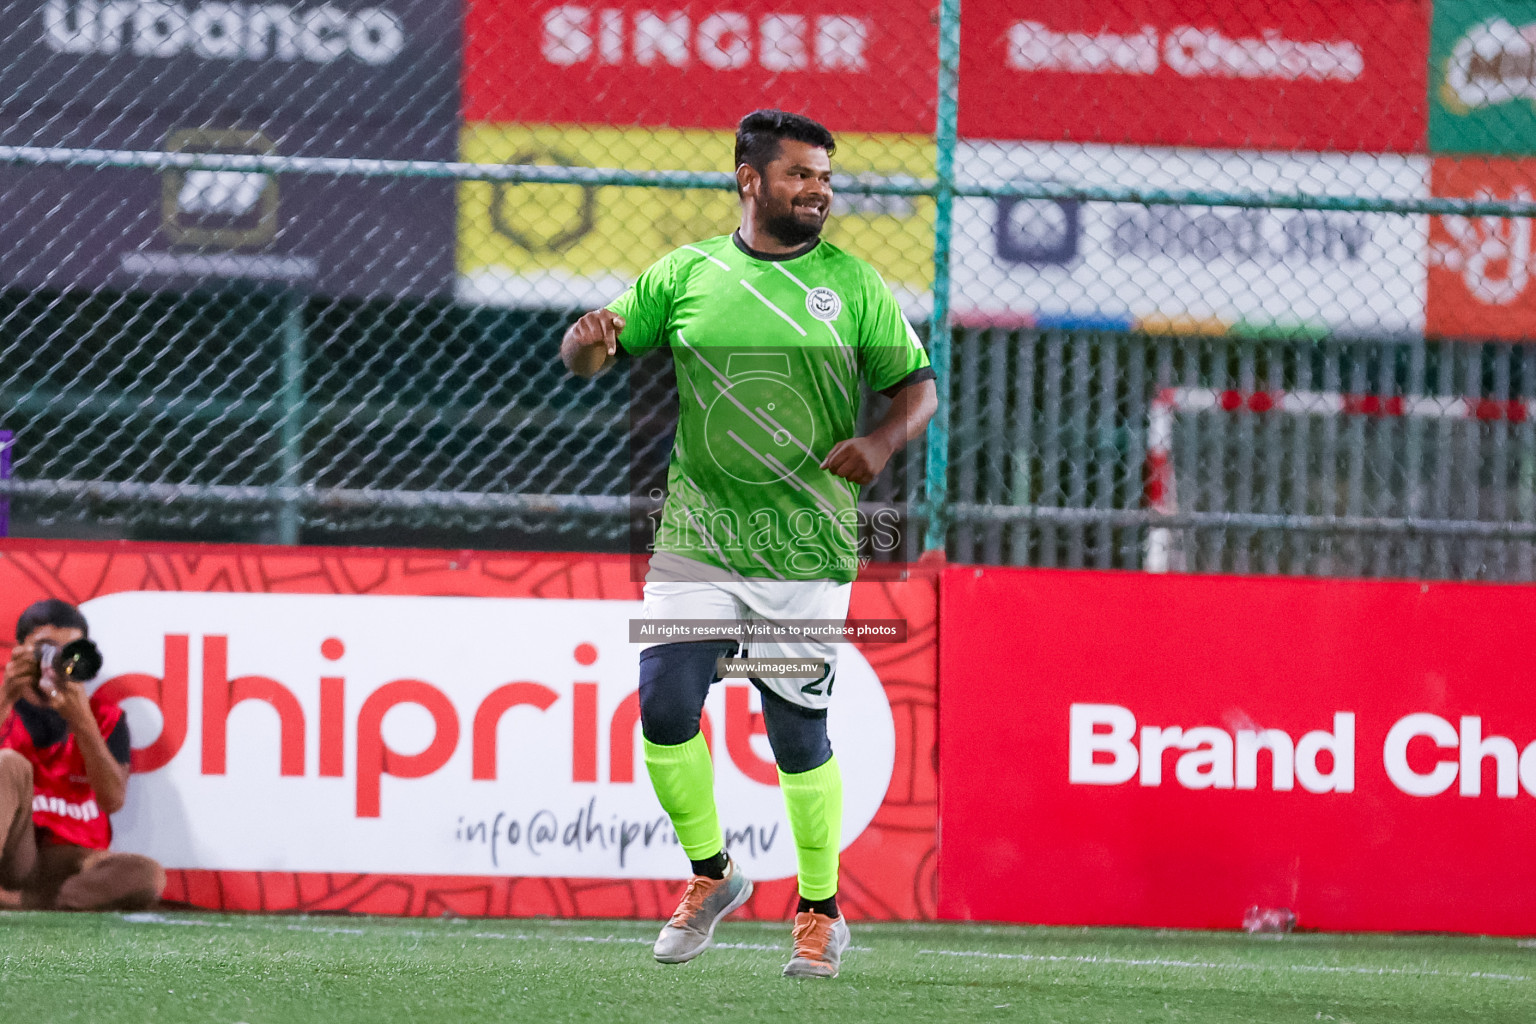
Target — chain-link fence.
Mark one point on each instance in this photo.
(1221, 285)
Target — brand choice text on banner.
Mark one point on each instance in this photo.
(1292, 74)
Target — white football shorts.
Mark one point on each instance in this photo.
(673, 591)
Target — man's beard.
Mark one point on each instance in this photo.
(790, 230)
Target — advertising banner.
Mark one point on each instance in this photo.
(1194, 268)
(347, 79)
(72, 227)
(413, 732)
(563, 245)
(1481, 269)
(1250, 74)
(856, 65)
(391, 61)
(1482, 77)
(1168, 751)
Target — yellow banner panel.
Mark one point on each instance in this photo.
(566, 245)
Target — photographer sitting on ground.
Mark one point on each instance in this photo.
(63, 770)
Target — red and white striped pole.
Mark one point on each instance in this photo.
(1335, 403)
(1160, 491)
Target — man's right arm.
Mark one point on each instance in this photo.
(592, 343)
(640, 315)
(21, 674)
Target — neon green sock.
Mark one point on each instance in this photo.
(684, 778)
(814, 800)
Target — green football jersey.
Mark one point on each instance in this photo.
(769, 354)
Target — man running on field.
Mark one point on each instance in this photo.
(770, 330)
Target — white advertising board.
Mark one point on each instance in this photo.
(1200, 268)
(396, 709)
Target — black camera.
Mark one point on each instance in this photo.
(78, 660)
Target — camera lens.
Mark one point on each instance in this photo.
(79, 660)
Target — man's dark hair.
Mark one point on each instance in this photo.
(50, 612)
(760, 132)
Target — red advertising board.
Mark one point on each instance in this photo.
(1125, 749)
(1481, 269)
(418, 732)
(857, 65)
(1260, 74)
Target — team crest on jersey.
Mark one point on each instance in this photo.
(823, 304)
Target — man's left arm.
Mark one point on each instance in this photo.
(894, 364)
(108, 776)
(861, 459)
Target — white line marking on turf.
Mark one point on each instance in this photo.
(1202, 965)
(150, 918)
(162, 919)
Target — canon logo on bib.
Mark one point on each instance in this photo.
(223, 31)
(432, 735)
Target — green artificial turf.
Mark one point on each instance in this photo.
(171, 968)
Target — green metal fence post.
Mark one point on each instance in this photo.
(291, 428)
(945, 133)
